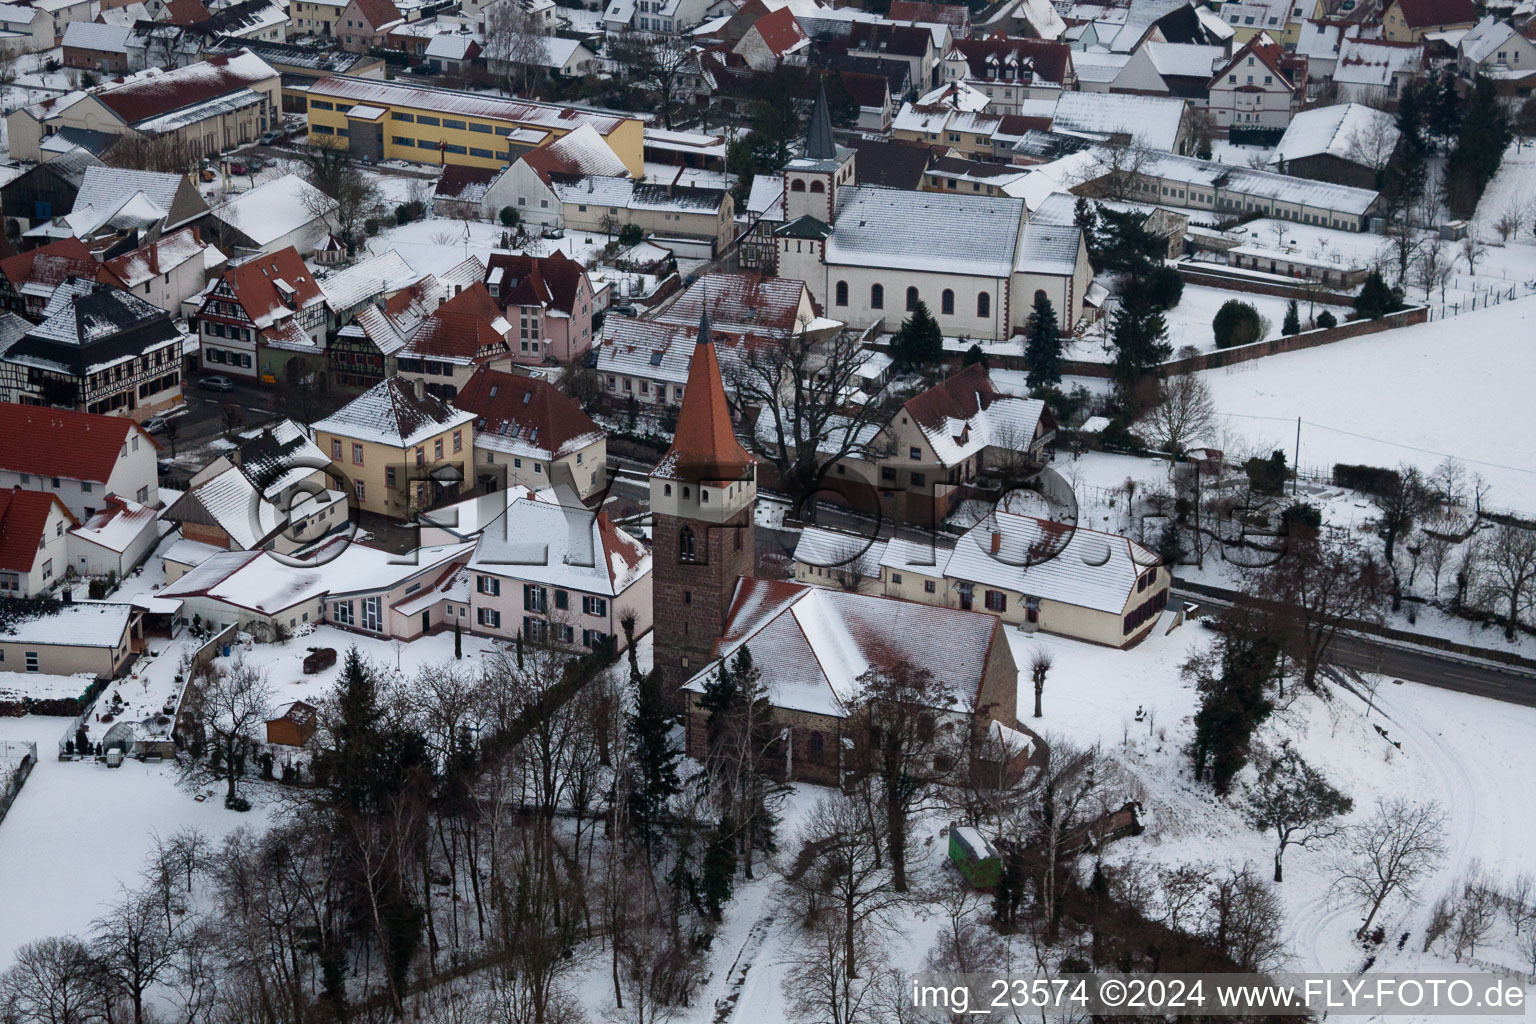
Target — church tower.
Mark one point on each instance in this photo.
(702, 497)
(812, 181)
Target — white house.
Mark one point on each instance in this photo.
(80, 457)
(169, 270)
(1260, 87)
(115, 540)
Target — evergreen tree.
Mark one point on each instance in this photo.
(1410, 117)
(1042, 345)
(1485, 134)
(1292, 323)
(1125, 244)
(1233, 699)
(654, 781)
(718, 871)
(1140, 338)
(1376, 298)
(973, 355)
(1445, 106)
(1085, 214)
(919, 343)
(458, 640)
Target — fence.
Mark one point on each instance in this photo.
(1483, 299)
(24, 757)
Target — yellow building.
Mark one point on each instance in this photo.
(400, 449)
(388, 121)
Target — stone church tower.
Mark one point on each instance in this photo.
(702, 496)
(813, 180)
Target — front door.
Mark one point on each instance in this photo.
(426, 621)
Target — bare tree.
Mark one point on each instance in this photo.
(1511, 219)
(347, 195)
(1373, 143)
(1318, 589)
(53, 981)
(1507, 560)
(819, 986)
(1402, 246)
(1039, 667)
(1387, 855)
(1476, 912)
(915, 743)
(1244, 919)
(230, 703)
(1518, 907)
(1472, 250)
(1399, 503)
(133, 949)
(1061, 793)
(1433, 265)
(515, 44)
(1120, 170)
(807, 424)
(1295, 801)
(839, 876)
(1184, 414)
(660, 62)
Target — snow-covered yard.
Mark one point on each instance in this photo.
(1456, 387)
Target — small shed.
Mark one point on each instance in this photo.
(975, 858)
(330, 251)
(293, 725)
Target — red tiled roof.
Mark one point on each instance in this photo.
(959, 396)
(496, 397)
(867, 90)
(378, 12)
(186, 12)
(548, 281)
(1424, 13)
(255, 284)
(23, 517)
(51, 264)
(741, 300)
(61, 442)
(207, 79)
(1269, 53)
(779, 30)
(704, 447)
(462, 327)
(1049, 61)
(956, 15)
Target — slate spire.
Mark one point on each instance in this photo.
(818, 136)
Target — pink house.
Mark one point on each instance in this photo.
(366, 23)
(548, 302)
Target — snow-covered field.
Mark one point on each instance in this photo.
(1456, 387)
(79, 832)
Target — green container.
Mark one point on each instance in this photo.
(974, 857)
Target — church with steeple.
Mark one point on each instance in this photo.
(978, 262)
(703, 492)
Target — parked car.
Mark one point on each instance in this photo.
(218, 382)
(238, 167)
(254, 164)
(155, 424)
(273, 137)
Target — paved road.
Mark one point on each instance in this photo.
(1422, 665)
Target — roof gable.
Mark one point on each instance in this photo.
(526, 409)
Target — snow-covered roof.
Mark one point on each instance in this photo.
(468, 518)
(1098, 66)
(105, 189)
(1320, 40)
(451, 101)
(976, 235)
(88, 35)
(834, 549)
(450, 46)
(1484, 39)
(766, 199)
(233, 501)
(560, 546)
(392, 413)
(1277, 188)
(1054, 561)
(118, 525)
(262, 582)
(273, 209)
(161, 256)
(190, 552)
(813, 644)
(1152, 121)
(1349, 131)
(1185, 60)
(365, 281)
(79, 624)
(1375, 62)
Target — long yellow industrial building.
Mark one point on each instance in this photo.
(387, 121)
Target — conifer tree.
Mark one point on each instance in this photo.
(1042, 345)
(920, 342)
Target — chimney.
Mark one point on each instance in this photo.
(420, 386)
(997, 541)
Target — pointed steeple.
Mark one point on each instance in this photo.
(704, 447)
(818, 136)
